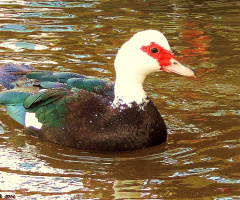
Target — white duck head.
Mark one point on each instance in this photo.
(146, 52)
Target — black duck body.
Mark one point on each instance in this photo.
(90, 122)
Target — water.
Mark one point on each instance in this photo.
(201, 158)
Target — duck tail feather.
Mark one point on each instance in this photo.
(8, 71)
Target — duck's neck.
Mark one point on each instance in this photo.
(130, 75)
(128, 90)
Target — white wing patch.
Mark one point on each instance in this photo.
(31, 120)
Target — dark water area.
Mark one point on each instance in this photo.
(200, 160)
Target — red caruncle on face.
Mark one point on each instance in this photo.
(162, 55)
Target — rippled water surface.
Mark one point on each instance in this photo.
(201, 158)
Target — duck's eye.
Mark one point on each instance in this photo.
(154, 50)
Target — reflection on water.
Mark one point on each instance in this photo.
(201, 157)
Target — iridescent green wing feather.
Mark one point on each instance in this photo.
(49, 106)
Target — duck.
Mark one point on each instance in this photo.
(94, 113)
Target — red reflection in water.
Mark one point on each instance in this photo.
(195, 35)
(197, 39)
(222, 189)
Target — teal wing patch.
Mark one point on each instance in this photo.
(49, 106)
(52, 85)
(13, 101)
(95, 85)
(26, 79)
